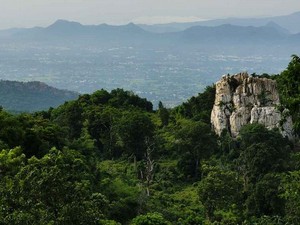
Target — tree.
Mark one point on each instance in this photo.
(11, 131)
(119, 183)
(290, 187)
(70, 115)
(163, 113)
(289, 88)
(133, 129)
(262, 151)
(150, 219)
(220, 190)
(147, 166)
(108, 222)
(127, 99)
(11, 161)
(199, 108)
(264, 198)
(56, 189)
(195, 142)
(102, 124)
(41, 135)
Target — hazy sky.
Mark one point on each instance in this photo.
(28, 13)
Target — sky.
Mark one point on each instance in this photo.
(29, 13)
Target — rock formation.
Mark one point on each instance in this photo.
(242, 99)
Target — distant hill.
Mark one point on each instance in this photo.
(233, 34)
(74, 28)
(73, 33)
(63, 30)
(277, 27)
(289, 22)
(31, 96)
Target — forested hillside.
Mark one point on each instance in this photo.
(31, 96)
(108, 158)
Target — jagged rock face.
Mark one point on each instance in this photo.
(242, 99)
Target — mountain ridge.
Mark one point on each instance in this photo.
(234, 32)
(132, 33)
(32, 96)
(289, 22)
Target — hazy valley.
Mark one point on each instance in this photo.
(169, 67)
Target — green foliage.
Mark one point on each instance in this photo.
(118, 98)
(103, 125)
(11, 161)
(199, 108)
(114, 120)
(193, 219)
(265, 220)
(120, 186)
(121, 98)
(164, 114)
(265, 199)
(72, 118)
(289, 87)
(35, 135)
(195, 142)
(263, 151)
(290, 187)
(11, 130)
(150, 219)
(56, 189)
(230, 217)
(178, 203)
(221, 193)
(108, 222)
(134, 128)
(263, 155)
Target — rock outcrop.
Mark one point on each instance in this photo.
(242, 99)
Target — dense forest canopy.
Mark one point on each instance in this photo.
(109, 158)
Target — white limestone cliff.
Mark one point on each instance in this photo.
(242, 99)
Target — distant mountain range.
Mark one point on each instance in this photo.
(208, 33)
(233, 34)
(288, 22)
(68, 31)
(31, 96)
(166, 66)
